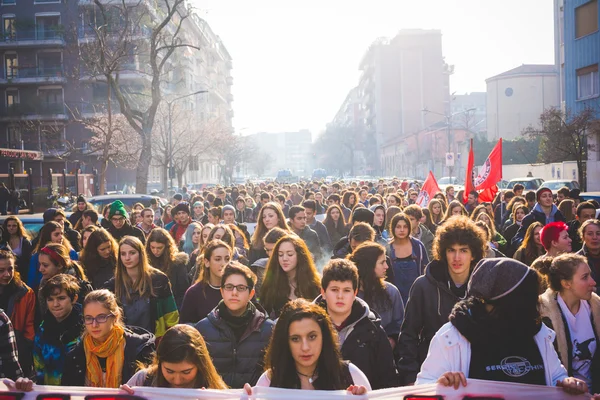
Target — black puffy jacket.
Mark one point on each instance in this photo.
(366, 345)
(139, 346)
(126, 230)
(237, 362)
(429, 304)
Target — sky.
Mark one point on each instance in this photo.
(295, 62)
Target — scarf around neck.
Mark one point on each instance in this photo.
(113, 349)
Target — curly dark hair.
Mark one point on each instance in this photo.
(459, 230)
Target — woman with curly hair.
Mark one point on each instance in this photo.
(290, 274)
(457, 248)
(164, 255)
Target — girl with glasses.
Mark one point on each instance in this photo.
(109, 352)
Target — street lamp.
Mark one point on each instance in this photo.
(170, 153)
(448, 118)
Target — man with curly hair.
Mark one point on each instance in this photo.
(458, 246)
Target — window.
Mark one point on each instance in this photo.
(13, 136)
(8, 2)
(12, 97)
(9, 28)
(587, 82)
(586, 19)
(47, 27)
(11, 66)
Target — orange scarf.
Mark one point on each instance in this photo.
(113, 349)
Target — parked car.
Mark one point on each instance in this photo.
(128, 200)
(590, 196)
(530, 183)
(555, 185)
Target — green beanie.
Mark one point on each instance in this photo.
(117, 208)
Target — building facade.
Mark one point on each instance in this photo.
(579, 38)
(45, 86)
(516, 99)
(284, 150)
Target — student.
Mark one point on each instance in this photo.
(191, 239)
(290, 274)
(164, 255)
(543, 212)
(60, 329)
(362, 340)
(269, 216)
(108, 352)
(99, 258)
(144, 293)
(181, 213)
(454, 209)
(205, 293)
(381, 296)
(585, 211)
(590, 234)
(259, 266)
(458, 246)
(85, 235)
(182, 361)
(18, 302)
(360, 215)
(531, 248)
(59, 216)
(335, 223)
(55, 260)
(120, 226)
(303, 354)
(519, 212)
(572, 309)
(436, 214)
(555, 238)
(310, 207)
(419, 231)
(498, 324)
(51, 232)
(298, 225)
(16, 236)
(237, 327)
(407, 254)
(147, 224)
(11, 368)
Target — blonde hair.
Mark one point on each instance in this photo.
(143, 286)
(109, 301)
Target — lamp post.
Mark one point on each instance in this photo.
(448, 118)
(170, 137)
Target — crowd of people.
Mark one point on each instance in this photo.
(381, 293)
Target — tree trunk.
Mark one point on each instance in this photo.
(581, 171)
(102, 178)
(143, 166)
(180, 179)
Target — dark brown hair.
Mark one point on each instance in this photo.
(459, 230)
(340, 270)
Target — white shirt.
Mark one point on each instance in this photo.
(583, 340)
(358, 377)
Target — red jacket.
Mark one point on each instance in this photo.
(178, 230)
(23, 311)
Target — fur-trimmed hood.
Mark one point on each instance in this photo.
(552, 316)
(181, 258)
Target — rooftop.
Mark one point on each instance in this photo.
(528, 69)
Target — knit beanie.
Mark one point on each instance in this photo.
(117, 208)
(361, 214)
(539, 192)
(228, 207)
(81, 199)
(49, 214)
(183, 206)
(178, 196)
(494, 278)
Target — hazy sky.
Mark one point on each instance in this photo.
(294, 62)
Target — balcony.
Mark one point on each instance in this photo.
(24, 75)
(27, 111)
(32, 38)
(88, 32)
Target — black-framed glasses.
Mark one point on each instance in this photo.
(240, 288)
(117, 219)
(100, 318)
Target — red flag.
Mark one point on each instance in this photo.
(429, 189)
(469, 187)
(491, 171)
(488, 194)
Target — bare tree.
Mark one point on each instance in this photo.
(565, 136)
(232, 151)
(138, 38)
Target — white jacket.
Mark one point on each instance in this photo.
(450, 351)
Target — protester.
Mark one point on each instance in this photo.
(59, 216)
(298, 225)
(109, 352)
(147, 224)
(259, 266)
(362, 340)
(520, 211)
(51, 232)
(237, 326)
(418, 230)
(198, 213)
(181, 361)
(269, 216)
(303, 353)
(119, 223)
(543, 212)
(555, 238)
(360, 215)
(11, 368)
(78, 210)
(17, 237)
(290, 274)
(18, 301)
(454, 208)
(310, 208)
(164, 256)
(531, 248)
(436, 214)
(458, 246)
(335, 223)
(584, 212)
(144, 293)
(590, 234)
(381, 296)
(204, 295)
(485, 331)
(99, 257)
(181, 214)
(60, 329)
(85, 235)
(572, 309)
(407, 254)
(191, 240)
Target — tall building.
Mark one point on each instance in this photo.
(516, 99)
(45, 84)
(577, 22)
(401, 77)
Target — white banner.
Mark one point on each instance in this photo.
(475, 388)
